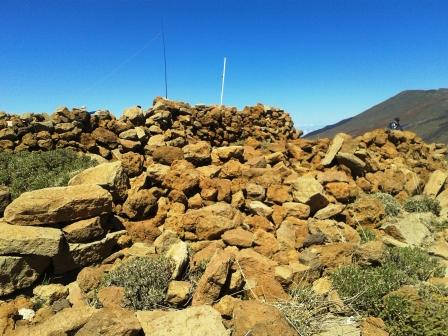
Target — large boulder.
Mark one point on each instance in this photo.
(215, 276)
(20, 272)
(79, 255)
(411, 229)
(194, 321)
(41, 241)
(110, 176)
(58, 205)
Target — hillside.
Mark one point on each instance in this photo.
(424, 112)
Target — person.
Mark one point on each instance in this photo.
(395, 125)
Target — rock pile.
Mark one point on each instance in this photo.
(166, 122)
(256, 218)
(62, 227)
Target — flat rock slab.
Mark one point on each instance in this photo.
(84, 231)
(110, 176)
(80, 255)
(20, 272)
(58, 205)
(42, 241)
(355, 164)
(411, 229)
(194, 321)
(67, 321)
(435, 183)
(334, 148)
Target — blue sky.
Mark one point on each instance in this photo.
(320, 60)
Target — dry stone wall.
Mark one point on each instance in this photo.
(167, 122)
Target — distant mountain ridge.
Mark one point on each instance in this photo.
(424, 112)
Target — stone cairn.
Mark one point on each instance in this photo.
(239, 189)
(167, 122)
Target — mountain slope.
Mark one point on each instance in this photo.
(424, 112)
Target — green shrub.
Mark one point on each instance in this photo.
(26, 171)
(437, 224)
(426, 316)
(366, 234)
(414, 262)
(391, 206)
(305, 310)
(144, 279)
(422, 203)
(364, 287)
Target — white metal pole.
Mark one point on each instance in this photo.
(223, 79)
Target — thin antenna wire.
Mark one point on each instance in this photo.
(164, 60)
(120, 65)
(223, 79)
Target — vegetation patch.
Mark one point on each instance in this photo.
(27, 171)
(365, 287)
(391, 206)
(366, 234)
(305, 310)
(196, 273)
(425, 315)
(144, 279)
(422, 203)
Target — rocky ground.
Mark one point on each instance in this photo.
(208, 221)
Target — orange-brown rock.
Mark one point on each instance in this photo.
(259, 319)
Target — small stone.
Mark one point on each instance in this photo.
(238, 237)
(111, 297)
(179, 253)
(259, 208)
(178, 292)
(50, 293)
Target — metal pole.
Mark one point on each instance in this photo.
(223, 79)
(164, 61)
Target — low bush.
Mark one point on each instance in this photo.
(427, 315)
(414, 262)
(144, 279)
(26, 171)
(364, 287)
(422, 203)
(305, 310)
(391, 206)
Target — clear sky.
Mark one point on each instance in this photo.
(320, 60)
